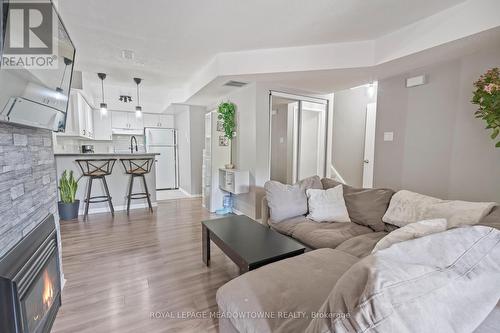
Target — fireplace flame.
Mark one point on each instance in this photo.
(48, 290)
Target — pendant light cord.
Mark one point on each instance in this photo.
(102, 89)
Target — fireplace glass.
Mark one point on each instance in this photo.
(39, 299)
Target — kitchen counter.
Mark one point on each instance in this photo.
(117, 182)
(107, 154)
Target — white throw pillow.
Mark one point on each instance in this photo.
(411, 231)
(407, 207)
(327, 205)
(287, 201)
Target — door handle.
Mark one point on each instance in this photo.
(366, 161)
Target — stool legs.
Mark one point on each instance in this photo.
(144, 195)
(147, 194)
(109, 196)
(103, 198)
(87, 199)
(129, 197)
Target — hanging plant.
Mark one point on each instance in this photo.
(487, 96)
(227, 112)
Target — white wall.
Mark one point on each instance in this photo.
(197, 140)
(184, 149)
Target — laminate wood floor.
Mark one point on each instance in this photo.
(120, 270)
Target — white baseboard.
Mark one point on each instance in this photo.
(186, 193)
(237, 212)
(117, 208)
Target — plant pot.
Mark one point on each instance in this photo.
(68, 211)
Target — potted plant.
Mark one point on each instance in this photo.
(487, 96)
(226, 114)
(68, 206)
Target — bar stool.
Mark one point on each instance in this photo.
(137, 167)
(97, 169)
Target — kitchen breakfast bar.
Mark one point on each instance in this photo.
(117, 180)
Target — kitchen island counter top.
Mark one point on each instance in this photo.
(106, 154)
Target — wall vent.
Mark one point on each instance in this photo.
(237, 84)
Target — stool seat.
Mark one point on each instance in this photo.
(97, 169)
(137, 167)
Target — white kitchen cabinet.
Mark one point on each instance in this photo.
(151, 120)
(119, 119)
(126, 120)
(102, 126)
(79, 119)
(135, 123)
(89, 120)
(158, 120)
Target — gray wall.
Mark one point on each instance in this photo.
(28, 190)
(349, 119)
(439, 148)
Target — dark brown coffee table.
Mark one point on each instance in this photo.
(246, 242)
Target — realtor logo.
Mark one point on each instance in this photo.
(29, 36)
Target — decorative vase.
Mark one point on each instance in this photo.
(68, 211)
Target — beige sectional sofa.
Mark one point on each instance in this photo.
(303, 283)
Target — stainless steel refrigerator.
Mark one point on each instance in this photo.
(164, 142)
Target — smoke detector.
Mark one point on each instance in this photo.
(128, 54)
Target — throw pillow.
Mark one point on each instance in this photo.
(287, 201)
(367, 206)
(411, 231)
(327, 205)
(458, 213)
(407, 207)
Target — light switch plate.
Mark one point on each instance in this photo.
(388, 136)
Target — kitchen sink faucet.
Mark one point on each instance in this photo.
(132, 139)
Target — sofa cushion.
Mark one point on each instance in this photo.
(367, 206)
(361, 246)
(294, 285)
(330, 183)
(412, 231)
(327, 205)
(319, 235)
(492, 219)
(286, 201)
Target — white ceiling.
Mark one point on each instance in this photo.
(327, 81)
(175, 39)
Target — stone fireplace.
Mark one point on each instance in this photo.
(28, 210)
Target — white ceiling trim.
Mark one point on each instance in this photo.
(463, 20)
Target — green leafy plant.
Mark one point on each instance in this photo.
(226, 113)
(67, 187)
(487, 96)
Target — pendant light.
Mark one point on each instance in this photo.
(138, 108)
(104, 106)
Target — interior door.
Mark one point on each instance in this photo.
(165, 167)
(371, 119)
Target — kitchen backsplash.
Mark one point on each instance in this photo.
(120, 144)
